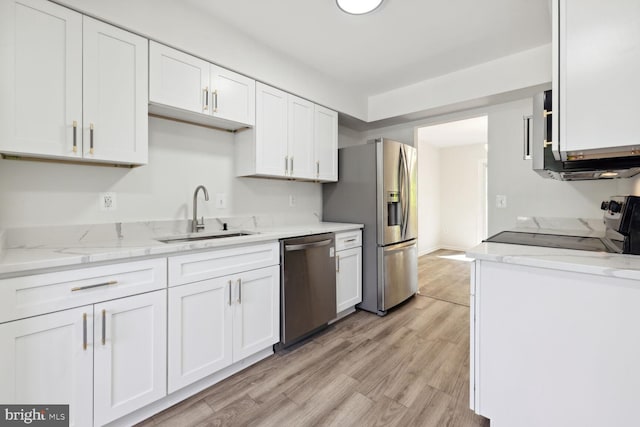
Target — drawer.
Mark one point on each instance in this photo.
(348, 239)
(221, 262)
(48, 292)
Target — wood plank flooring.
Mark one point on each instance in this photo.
(409, 368)
(443, 278)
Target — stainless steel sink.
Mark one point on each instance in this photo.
(209, 236)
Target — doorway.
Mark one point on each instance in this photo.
(452, 184)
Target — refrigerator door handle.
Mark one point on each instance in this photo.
(404, 203)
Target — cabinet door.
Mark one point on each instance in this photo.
(130, 354)
(115, 81)
(40, 79)
(256, 317)
(300, 138)
(326, 144)
(200, 330)
(233, 96)
(44, 360)
(599, 66)
(177, 79)
(271, 131)
(349, 278)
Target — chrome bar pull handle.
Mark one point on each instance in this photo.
(291, 168)
(286, 165)
(205, 98)
(91, 138)
(337, 263)
(239, 291)
(75, 136)
(318, 169)
(104, 326)
(230, 284)
(82, 288)
(84, 331)
(214, 95)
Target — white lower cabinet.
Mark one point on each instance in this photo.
(256, 316)
(348, 278)
(48, 359)
(217, 322)
(199, 331)
(130, 342)
(104, 360)
(348, 269)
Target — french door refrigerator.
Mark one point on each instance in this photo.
(377, 188)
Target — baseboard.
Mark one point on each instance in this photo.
(454, 248)
(428, 251)
(442, 247)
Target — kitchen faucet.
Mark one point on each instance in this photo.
(195, 225)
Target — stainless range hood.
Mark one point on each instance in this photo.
(545, 164)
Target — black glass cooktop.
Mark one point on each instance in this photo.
(550, 241)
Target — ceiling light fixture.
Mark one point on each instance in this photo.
(358, 7)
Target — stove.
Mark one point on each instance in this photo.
(622, 231)
(594, 244)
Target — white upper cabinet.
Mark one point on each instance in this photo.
(326, 144)
(40, 79)
(233, 96)
(597, 63)
(177, 79)
(181, 85)
(293, 139)
(62, 74)
(115, 94)
(300, 138)
(269, 139)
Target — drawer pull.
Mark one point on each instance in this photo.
(104, 327)
(350, 240)
(84, 331)
(82, 288)
(239, 291)
(91, 138)
(230, 292)
(75, 136)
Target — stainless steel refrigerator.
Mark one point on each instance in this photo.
(377, 188)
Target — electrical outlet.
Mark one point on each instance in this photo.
(292, 200)
(107, 202)
(501, 201)
(221, 200)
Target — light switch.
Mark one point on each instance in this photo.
(221, 200)
(501, 201)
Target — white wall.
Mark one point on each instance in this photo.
(428, 198)
(527, 193)
(525, 69)
(461, 195)
(181, 25)
(181, 156)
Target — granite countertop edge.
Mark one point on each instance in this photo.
(588, 262)
(20, 261)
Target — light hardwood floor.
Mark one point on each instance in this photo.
(409, 368)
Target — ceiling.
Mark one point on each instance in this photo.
(461, 132)
(402, 42)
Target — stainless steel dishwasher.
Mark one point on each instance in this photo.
(308, 286)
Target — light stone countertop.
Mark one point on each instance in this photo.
(597, 263)
(29, 250)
